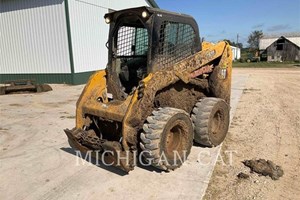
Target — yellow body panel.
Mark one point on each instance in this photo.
(133, 111)
(94, 100)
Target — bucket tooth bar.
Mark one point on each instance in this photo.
(110, 152)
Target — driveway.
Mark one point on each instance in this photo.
(36, 161)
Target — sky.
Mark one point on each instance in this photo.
(224, 19)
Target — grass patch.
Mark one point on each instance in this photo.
(15, 104)
(266, 64)
(68, 117)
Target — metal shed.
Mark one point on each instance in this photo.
(55, 41)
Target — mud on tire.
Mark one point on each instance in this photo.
(210, 118)
(167, 138)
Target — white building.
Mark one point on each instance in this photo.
(236, 53)
(56, 41)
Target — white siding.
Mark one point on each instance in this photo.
(114, 4)
(33, 37)
(89, 32)
(236, 53)
(122, 4)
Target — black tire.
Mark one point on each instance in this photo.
(210, 118)
(167, 138)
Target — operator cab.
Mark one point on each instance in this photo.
(143, 40)
(130, 50)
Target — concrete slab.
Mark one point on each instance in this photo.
(37, 163)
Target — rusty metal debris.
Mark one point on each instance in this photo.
(23, 86)
(202, 70)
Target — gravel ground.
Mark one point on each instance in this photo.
(36, 161)
(266, 125)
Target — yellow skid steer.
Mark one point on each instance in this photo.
(161, 91)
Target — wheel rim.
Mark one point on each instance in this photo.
(216, 124)
(174, 140)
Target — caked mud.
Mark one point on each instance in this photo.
(265, 168)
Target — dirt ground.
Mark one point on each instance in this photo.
(36, 161)
(266, 125)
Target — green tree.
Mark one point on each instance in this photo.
(253, 39)
(239, 45)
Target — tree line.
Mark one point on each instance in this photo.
(253, 41)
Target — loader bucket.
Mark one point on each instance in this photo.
(108, 152)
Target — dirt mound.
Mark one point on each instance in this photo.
(242, 175)
(265, 168)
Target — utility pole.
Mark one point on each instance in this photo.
(237, 46)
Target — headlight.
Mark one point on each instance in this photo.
(107, 20)
(144, 14)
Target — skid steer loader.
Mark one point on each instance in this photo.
(161, 91)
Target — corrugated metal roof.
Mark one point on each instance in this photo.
(278, 35)
(295, 40)
(153, 3)
(265, 42)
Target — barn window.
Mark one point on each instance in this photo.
(279, 47)
(280, 42)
